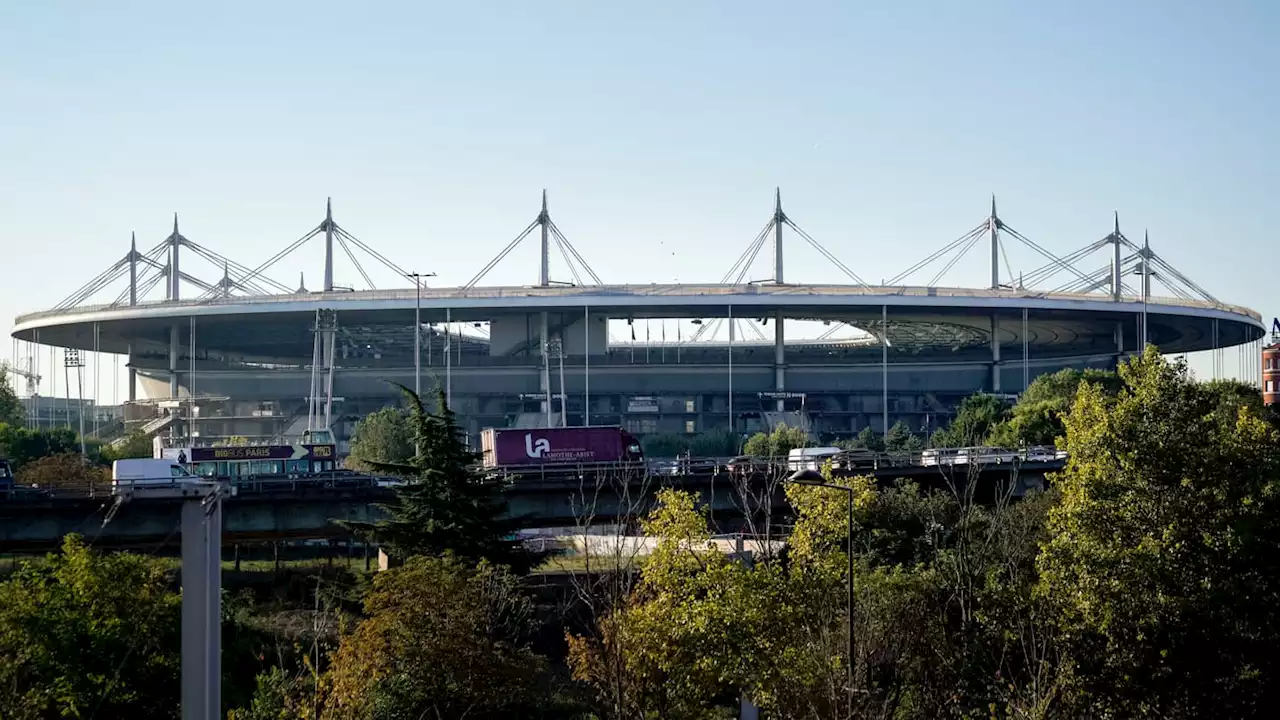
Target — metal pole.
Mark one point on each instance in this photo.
(544, 331)
(994, 226)
(1117, 273)
(1026, 353)
(448, 364)
(884, 366)
(417, 335)
(97, 374)
(80, 401)
(328, 245)
(564, 396)
(732, 427)
(586, 366)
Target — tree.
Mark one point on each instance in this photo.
(21, 445)
(67, 471)
(867, 439)
(1163, 561)
(134, 445)
(440, 639)
(900, 439)
(11, 411)
(1037, 417)
(383, 437)
(776, 444)
(975, 419)
(89, 635)
(445, 503)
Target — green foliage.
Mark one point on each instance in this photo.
(718, 443)
(439, 639)
(21, 445)
(900, 439)
(135, 445)
(11, 411)
(977, 416)
(384, 436)
(1037, 418)
(776, 444)
(445, 504)
(708, 444)
(277, 696)
(86, 635)
(1164, 556)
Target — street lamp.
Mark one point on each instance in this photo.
(816, 479)
(417, 329)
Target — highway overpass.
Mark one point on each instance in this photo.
(309, 510)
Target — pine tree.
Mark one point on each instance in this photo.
(446, 504)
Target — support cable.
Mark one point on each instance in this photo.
(360, 269)
(1035, 246)
(581, 260)
(230, 265)
(955, 259)
(372, 253)
(565, 254)
(825, 253)
(1073, 285)
(1008, 268)
(896, 279)
(1044, 272)
(735, 276)
(226, 262)
(146, 280)
(1171, 270)
(738, 269)
(257, 272)
(105, 278)
(498, 258)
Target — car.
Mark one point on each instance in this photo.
(747, 465)
(850, 460)
(1042, 453)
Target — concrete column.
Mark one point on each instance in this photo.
(779, 358)
(175, 349)
(545, 342)
(995, 353)
(133, 377)
(201, 609)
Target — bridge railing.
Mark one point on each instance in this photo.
(845, 463)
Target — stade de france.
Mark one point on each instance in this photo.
(242, 355)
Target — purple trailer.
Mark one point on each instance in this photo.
(515, 447)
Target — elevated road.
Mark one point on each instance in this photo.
(309, 510)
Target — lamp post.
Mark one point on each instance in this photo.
(71, 359)
(417, 330)
(815, 479)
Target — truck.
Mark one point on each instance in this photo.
(147, 471)
(542, 447)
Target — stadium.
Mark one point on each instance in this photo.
(245, 356)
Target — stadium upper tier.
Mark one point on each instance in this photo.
(929, 321)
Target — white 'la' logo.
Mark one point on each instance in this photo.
(536, 449)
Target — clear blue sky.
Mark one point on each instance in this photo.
(660, 130)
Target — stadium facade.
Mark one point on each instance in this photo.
(247, 357)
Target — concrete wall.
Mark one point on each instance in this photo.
(512, 334)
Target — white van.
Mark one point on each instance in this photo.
(810, 458)
(148, 471)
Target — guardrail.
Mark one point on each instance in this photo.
(844, 462)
